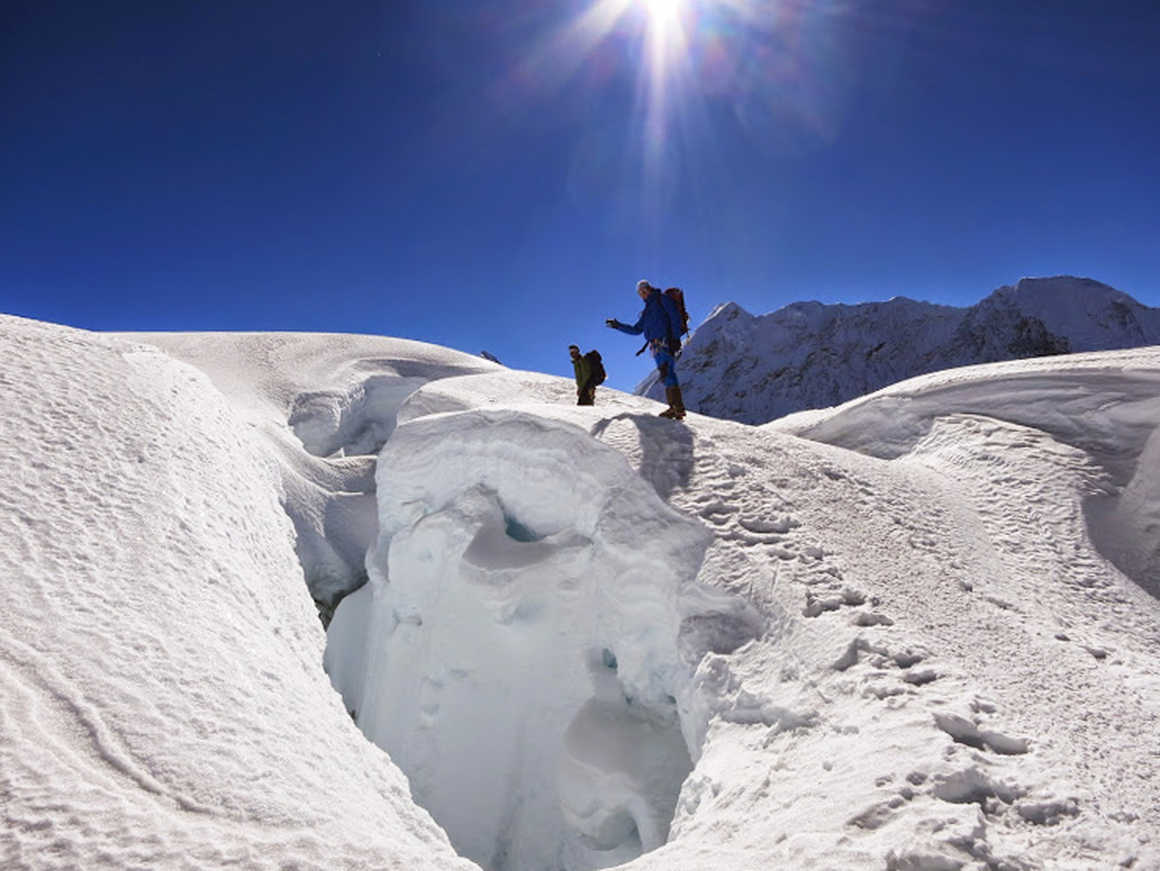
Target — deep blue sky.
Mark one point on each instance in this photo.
(461, 173)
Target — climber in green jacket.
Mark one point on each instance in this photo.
(585, 389)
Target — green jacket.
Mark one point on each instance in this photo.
(583, 371)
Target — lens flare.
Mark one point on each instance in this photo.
(663, 82)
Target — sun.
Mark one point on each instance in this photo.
(663, 13)
(665, 23)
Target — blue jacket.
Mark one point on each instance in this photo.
(659, 320)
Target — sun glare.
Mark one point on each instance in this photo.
(662, 13)
(779, 67)
(665, 33)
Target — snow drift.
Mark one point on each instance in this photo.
(1106, 406)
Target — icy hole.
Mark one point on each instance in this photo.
(354, 422)
(358, 419)
(499, 693)
(519, 650)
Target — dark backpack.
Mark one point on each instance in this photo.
(678, 297)
(596, 373)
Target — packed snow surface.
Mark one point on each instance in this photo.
(918, 631)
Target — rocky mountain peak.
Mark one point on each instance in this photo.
(812, 355)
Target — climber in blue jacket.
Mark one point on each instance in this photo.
(660, 322)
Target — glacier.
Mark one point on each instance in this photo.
(918, 630)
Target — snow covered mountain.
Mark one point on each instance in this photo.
(809, 355)
(918, 631)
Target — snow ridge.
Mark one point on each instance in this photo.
(810, 355)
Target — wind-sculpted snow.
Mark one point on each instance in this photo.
(809, 355)
(589, 635)
(161, 700)
(1106, 406)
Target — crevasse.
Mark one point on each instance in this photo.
(518, 650)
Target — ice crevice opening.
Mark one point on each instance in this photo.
(357, 420)
(330, 488)
(525, 645)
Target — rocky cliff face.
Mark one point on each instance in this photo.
(809, 355)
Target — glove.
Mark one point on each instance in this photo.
(611, 322)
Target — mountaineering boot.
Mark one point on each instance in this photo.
(669, 412)
(676, 409)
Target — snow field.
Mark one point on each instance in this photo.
(587, 633)
(911, 704)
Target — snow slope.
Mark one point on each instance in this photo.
(810, 355)
(161, 701)
(920, 631)
(1104, 406)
